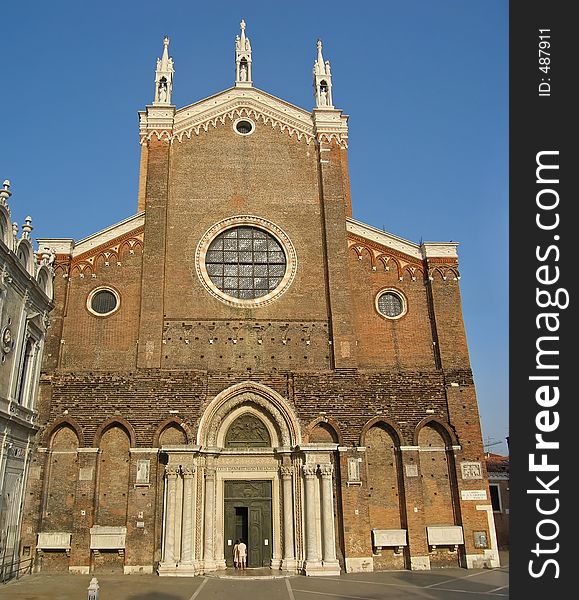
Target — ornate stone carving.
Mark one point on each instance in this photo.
(309, 470)
(247, 431)
(247, 398)
(54, 540)
(286, 472)
(188, 472)
(172, 471)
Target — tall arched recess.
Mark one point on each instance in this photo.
(386, 491)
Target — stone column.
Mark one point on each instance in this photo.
(312, 554)
(289, 556)
(188, 515)
(171, 475)
(328, 534)
(208, 546)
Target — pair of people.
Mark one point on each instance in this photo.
(239, 554)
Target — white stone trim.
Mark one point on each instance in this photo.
(490, 556)
(439, 249)
(383, 238)
(363, 564)
(79, 569)
(248, 391)
(395, 292)
(93, 293)
(104, 236)
(137, 569)
(420, 563)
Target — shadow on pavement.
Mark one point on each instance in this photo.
(154, 596)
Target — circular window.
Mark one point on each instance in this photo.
(246, 261)
(244, 126)
(390, 304)
(103, 302)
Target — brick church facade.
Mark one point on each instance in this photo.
(243, 359)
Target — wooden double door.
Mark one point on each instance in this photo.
(248, 518)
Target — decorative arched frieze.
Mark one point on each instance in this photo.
(390, 425)
(441, 427)
(115, 422)
(340, 138)
(82, 270)
(383, 259)
(248, 395)
(444, 272)
(105, 255)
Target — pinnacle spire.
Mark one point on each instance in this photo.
(322, 80)
(164, 76)
(242, 59)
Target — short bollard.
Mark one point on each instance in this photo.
(93, 589)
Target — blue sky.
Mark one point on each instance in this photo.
(425, 84)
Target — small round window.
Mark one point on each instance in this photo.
(103, 302)
(244, 126)
(390, 304)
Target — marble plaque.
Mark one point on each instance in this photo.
(54, 540)
(389, 537)
(143, 469)
(473, 495)
(411, 470)
(471, 470)
(85, 474)
(445, 535)
(353, 469)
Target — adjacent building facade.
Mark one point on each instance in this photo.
(498, 473)
(241, 359)
(25, 301)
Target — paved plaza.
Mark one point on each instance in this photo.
(443, 584)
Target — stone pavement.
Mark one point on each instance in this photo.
(442, 584)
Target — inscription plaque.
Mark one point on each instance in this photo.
(445, 535)
(107, 538)
(473, 494)
(382, 538)
(54, 540)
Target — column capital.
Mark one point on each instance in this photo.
(188, 472)
(310, 470)
(286, 472)
(210, 473)
(326, 470)
(172, 472)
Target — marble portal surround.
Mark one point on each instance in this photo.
(193, 523)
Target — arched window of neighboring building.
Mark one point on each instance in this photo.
(25, 371)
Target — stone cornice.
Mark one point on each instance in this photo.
(241, 102)
(382, 242)
(111, 245)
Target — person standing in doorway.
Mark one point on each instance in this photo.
(236, 554)
(242, 554)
